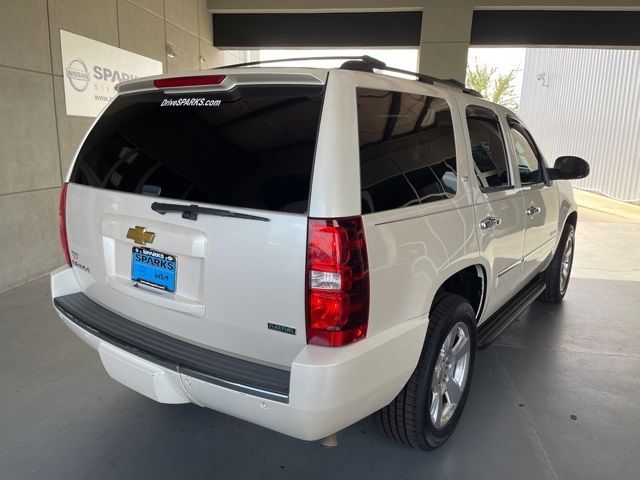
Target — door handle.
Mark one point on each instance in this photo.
(489, 222)
(533, 210)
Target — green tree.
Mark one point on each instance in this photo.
(497, 88)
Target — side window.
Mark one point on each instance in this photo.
(407, 149)
(488, 148)
(527, 156)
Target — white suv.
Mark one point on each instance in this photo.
(301, 248)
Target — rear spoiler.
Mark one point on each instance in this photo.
(230, 78)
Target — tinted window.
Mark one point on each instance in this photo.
(487, 148)
(527, 155)
(248, 147)
(406, 147)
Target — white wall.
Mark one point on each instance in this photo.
(590, 107)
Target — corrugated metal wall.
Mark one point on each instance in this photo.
(590, 107)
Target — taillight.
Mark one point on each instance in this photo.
(194, 81)
(62, 223)
(337, 281)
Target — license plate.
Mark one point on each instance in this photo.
(153, 268)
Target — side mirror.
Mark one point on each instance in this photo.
(569, 168)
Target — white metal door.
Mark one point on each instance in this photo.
(498, 202)
(540, 210)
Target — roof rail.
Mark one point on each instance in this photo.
(369, 64)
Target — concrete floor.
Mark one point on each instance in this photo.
(558, 396)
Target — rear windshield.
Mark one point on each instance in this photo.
(252, 146)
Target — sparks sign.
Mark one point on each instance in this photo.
(91, 70)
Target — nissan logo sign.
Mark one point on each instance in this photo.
(78, 75)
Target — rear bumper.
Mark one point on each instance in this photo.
(328, 388)
(172, 353)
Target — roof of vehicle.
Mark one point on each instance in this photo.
(252, 73)
(365, 63)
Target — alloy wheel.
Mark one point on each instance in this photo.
(450, 375)
(566, 262)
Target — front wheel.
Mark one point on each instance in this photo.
(557, 274)
(426, 411)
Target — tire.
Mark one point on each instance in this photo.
(553, 275)
(408, 418)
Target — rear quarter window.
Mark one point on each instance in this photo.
(249, 147)
(407, 149)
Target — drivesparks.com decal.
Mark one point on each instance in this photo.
(190, 102)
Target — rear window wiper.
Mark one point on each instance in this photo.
(190, 212)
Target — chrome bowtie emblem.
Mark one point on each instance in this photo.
(140, 235)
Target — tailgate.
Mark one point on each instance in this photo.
(230, 278)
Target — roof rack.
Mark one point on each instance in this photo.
(365, 63)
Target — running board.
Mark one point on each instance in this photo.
(497, 323)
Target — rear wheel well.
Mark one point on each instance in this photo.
(468, 283)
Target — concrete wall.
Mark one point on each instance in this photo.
(446, 24)
(37, 138)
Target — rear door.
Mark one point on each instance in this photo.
(229, 273)
(540, 211)
(498, 204)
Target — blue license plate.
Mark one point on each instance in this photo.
(153, 268)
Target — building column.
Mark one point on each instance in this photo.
(444, 42)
